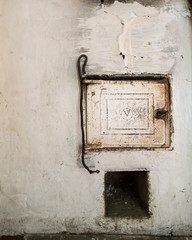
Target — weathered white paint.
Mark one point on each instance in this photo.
(43, 187)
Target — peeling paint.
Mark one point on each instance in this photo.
(136, 23)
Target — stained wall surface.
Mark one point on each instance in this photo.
(43, 186)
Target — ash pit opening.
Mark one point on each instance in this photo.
(127, 194)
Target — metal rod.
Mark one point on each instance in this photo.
(81, 71)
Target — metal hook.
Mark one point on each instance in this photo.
(81, 68)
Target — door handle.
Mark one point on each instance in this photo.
(161, 114)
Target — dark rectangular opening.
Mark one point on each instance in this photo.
(127, 194)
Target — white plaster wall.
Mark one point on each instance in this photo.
(43, 187)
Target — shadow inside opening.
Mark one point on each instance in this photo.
(127, 194)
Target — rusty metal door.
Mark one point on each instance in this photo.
(127, 114)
